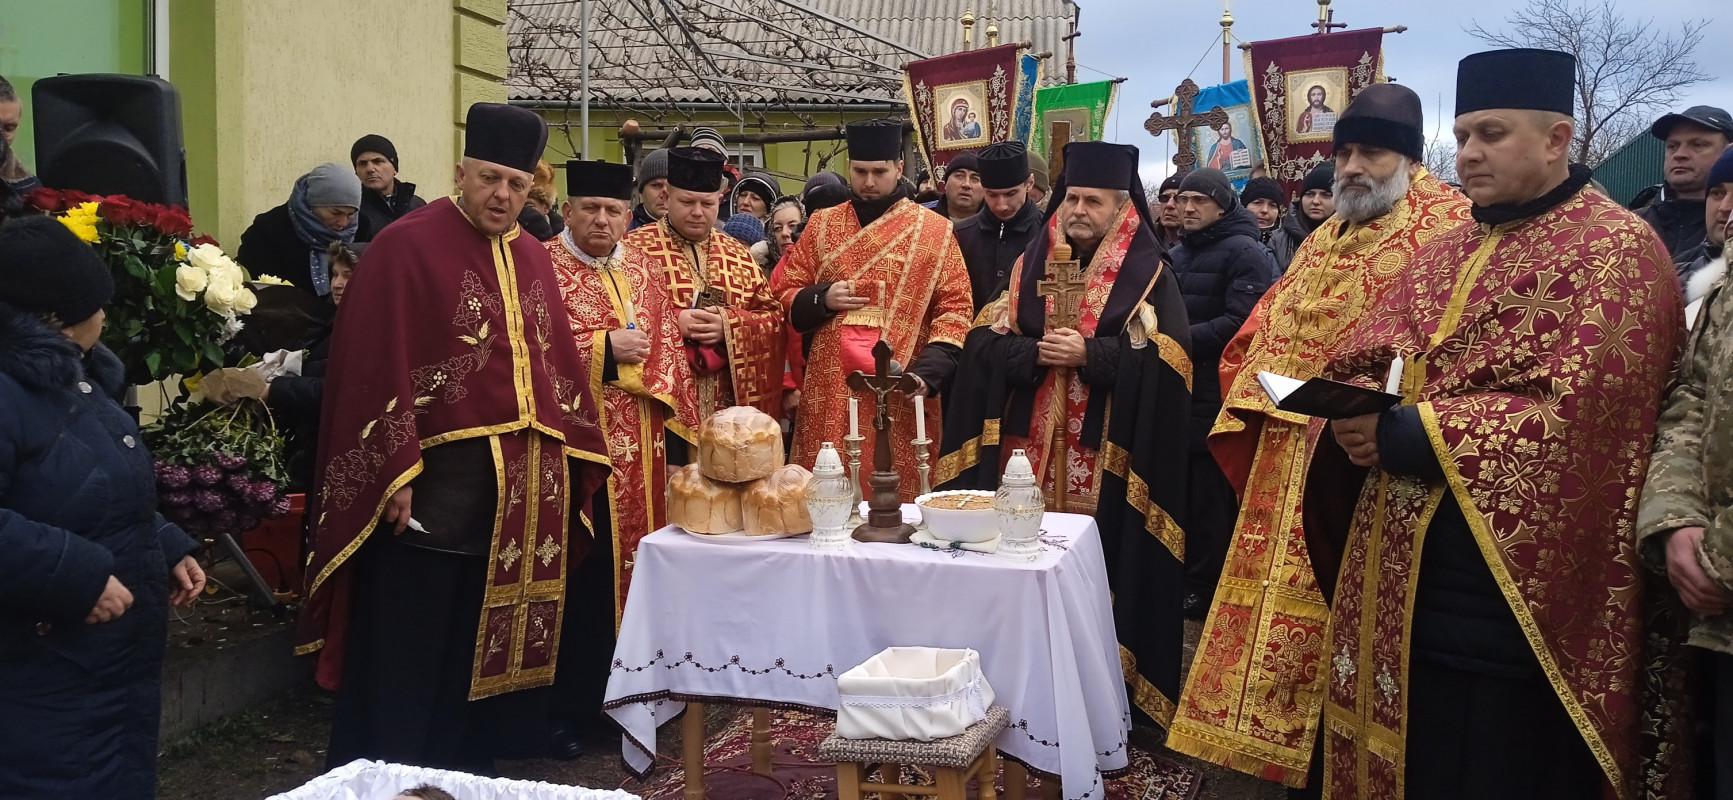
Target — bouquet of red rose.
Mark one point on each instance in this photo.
(176, 300)
(219, 469)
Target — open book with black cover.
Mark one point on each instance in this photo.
(1322, 397)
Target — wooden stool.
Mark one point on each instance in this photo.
(955, 760)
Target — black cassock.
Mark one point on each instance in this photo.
(1137, 420)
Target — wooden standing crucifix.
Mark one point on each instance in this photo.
(1182, 121)
(1066, 284)
(885, 510)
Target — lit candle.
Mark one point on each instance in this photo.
(921, 418)
(854, 416)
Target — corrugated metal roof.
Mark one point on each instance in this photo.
(1633, 168)
(654, 52)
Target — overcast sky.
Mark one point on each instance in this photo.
(1154, 45)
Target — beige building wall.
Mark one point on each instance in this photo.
(293, 83)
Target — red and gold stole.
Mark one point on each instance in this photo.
(752, 321)
(644, 403)
(1538, 351)
(456, 335)
(1082, 473)
(1252, 699)
(908, 261)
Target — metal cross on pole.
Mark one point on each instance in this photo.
(1183, 119)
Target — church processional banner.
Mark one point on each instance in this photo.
(1028, 77)
(1084, 105)
(1299, 85)
(1235, 147)
(965, 101)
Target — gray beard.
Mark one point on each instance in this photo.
(1357, 206)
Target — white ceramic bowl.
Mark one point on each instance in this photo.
(959, 525)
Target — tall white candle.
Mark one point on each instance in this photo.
(1393, 384)
(921, 418)
(854, 416)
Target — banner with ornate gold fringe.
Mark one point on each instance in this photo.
(965, 101)
(1299, 86)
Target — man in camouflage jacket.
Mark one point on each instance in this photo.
(1685, 522)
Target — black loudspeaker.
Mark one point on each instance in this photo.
(110, 134)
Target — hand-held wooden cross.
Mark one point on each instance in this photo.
(1065, 284)
(885, 510)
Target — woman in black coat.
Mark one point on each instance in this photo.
(87, 567)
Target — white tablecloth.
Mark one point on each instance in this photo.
(776, 622)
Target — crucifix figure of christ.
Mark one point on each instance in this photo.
(1183, 119)
(1066, 284)
(884, 510)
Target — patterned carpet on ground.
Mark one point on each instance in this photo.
(799, 774)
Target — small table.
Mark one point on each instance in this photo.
(774, 622)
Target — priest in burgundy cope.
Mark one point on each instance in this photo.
(1124, 411)
(731, 324)
(453, 467)
(624, 323)
(876, 267)
(1487, 635)
(1254, 695)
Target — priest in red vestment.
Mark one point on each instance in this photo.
(731, 324)
(1487, 632)
(1124, 412)
(459, 442)
(876, 267)
(624, 323)
(1254, 695)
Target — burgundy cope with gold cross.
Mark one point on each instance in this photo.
(884, 510)
(1183, 120)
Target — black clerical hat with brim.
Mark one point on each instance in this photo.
(1520, 78)
(695, 169)
(1003, 165)
(598, 179)
(505, 135)
(1100, 165)
(874, 140)
(1386, 115)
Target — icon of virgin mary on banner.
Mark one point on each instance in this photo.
(965, 101)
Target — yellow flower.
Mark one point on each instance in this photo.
(180, 251)
(81, 220)
(272, 279)
(85, 232)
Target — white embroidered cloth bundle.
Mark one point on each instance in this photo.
(919, 693)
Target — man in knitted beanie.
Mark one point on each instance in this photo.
(652, 189)
(384, 198)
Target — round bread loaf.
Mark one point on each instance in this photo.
(777, 504)
(701, 505)
(739, 444)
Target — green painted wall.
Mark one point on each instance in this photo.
(192, 69)
(40, 38)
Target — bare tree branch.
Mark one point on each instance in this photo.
(1627, 69)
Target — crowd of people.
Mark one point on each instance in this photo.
(1486, 590)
